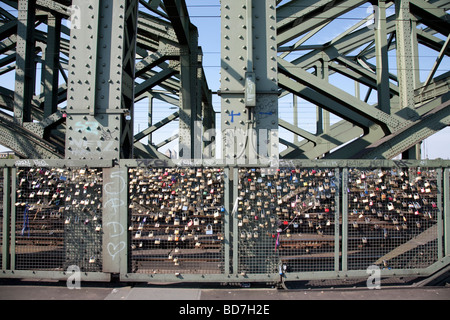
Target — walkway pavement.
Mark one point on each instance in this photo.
(17, 290)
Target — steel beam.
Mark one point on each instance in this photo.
(319, 12)
(50, 70)
(432, 16)
(25, 56)
(392, 145)
(387, 122)
(382, 72)
(249, 81)
(101, 75)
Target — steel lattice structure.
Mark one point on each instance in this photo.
(118, 52)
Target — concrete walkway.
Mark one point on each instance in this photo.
(58, 291)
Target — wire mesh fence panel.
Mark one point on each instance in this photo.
(392, 218)
(1, 216)
(56, 212)
(83, 219)
(286, 217)
(176, 220)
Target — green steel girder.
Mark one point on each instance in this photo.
(392, 145)
(318, 12)
(322, 100)
(179, 16)
(431, 15)
(166, 35)
(388, 122)
(25, 143)
(293, 20)
(158, 40)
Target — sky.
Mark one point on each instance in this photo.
(206, 16)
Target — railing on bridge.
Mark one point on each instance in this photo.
(209, 222)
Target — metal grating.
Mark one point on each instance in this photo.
(292, 213)
(57, 219)
(392, 218)
(176, 220)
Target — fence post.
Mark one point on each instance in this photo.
(115, 220)
(228, 197)
(344, 185)
(440, 214)
(235, 235)
(446, 191)
(336, 221)
(6, 214)
(12, 212)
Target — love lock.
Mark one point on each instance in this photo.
(209, 229)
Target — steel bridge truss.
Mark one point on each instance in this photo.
(73, 71)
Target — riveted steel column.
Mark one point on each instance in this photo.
(25, 56)
(50, 71)
(190, 99)
(101, 80)
(249, 81)
(382, 58)
(406, 63)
